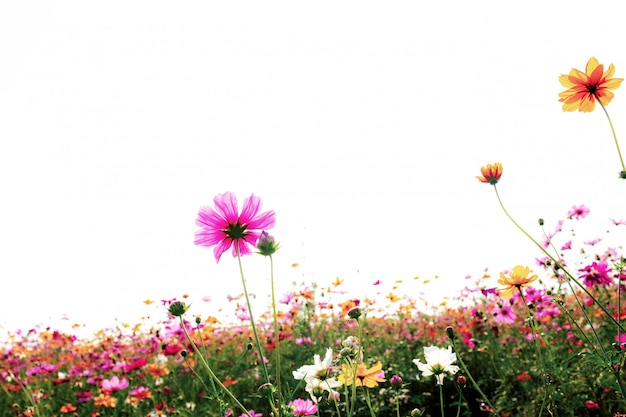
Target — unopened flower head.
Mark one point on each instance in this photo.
(518, 278)
(266, 244)
(178, 308)
(224, 227)
(491, 173)
(439, 362)
(584, 88)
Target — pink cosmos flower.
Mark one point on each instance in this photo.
(303, 407)
(578, 212)
(114, 384)
(224, 226)
(567, 245)
(503, 315)
(596, 274)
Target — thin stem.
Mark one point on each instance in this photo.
(276, 330)
(533, 331)
(619, 153)
(556, 262)
(471, 378)
(210, 371)
(256, 335)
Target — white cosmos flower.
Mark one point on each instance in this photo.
(438, 362)
(318, 370)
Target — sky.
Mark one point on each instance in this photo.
(362, 125)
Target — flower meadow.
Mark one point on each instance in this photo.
(542, 338)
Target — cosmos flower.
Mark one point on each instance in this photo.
(519, 277)
(503, 315)
(578, 212)
(114, 384)
(224, 227)
(584, 88)
(364, 377)
(596, 274)
(439, 362)
(303, 407)
(317, 378)
(491, 173)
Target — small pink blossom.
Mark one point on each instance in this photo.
(592, 242)
(578, 212)
(503, 315)
(567, 245)
(114, 384)
(618, 222)
(224, 227)
(591, 405)
(303, 407)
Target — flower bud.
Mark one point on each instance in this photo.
(178, 308)
(461, 380)
(266, 244)
(395, 380)
(541, 222)
(450, 332)
(355, 313)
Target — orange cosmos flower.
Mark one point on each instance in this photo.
(104, 400)
(518, 278)
(491, 173)
(584, 88)
(364, 377)
(68, 408)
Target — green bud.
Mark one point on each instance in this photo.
(178, 308)
(266, 244)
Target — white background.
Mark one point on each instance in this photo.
(362, 124)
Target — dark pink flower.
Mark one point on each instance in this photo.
(224, 226)
(578, 212)
(591, 405)
(596, 274)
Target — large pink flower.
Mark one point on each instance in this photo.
(224, 226)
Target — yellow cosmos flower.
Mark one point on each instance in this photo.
(519, 277)
(364, 377)
(584, 88)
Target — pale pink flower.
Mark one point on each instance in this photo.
(303, 407)
(567, 245)
(114, 384)
(578, 212)
(224, 227)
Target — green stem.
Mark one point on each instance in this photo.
(276, 330)
(441, 399)
(471, 378)
(533, 331)
(210, 371)
(619, 153)
(254, 331)
(556, 262)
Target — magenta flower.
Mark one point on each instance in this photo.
(503, 315)
(578, 212)
(224, 226)
(303, 407)
(596, 274)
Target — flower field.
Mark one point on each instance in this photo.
(542, 338)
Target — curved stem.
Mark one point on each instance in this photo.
(557, 263)
(619, 153)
